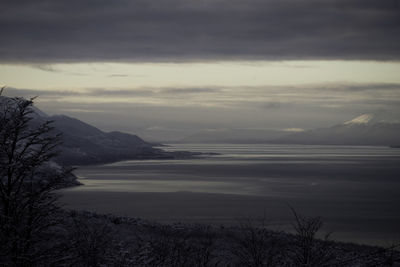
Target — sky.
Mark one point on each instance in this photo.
(175, 67)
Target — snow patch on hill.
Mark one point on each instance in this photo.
(363, 119)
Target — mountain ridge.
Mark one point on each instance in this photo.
(84, 144)
(365, 129)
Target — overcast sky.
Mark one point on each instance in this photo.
(186, 65)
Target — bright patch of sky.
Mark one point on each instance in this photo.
(123, 75)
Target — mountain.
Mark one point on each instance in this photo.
(26, 140)
(366, 129)
(239, 136)
(85, 144)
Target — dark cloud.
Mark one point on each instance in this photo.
(28, 93)
(190, 30)
(362, 87)
(118, 75)
(48, 68)
(272, 105)
(179, 91)
(101, 92)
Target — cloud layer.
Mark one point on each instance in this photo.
(192, 30)
(328, 95)
(272, 107)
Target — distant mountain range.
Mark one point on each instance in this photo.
(239, 136)
(363, 130)
(366, 129)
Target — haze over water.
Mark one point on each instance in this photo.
(354, 189)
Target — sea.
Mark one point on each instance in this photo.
(355, 190)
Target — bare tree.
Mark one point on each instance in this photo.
(164, 246)
(90, 241)
(308, 250)
(256, 246)
(27, 182)
(204, 246)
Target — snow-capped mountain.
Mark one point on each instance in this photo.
(366, 129)
(362, 119)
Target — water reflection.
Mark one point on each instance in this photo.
(356, 189)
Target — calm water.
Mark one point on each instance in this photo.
(355, 189)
